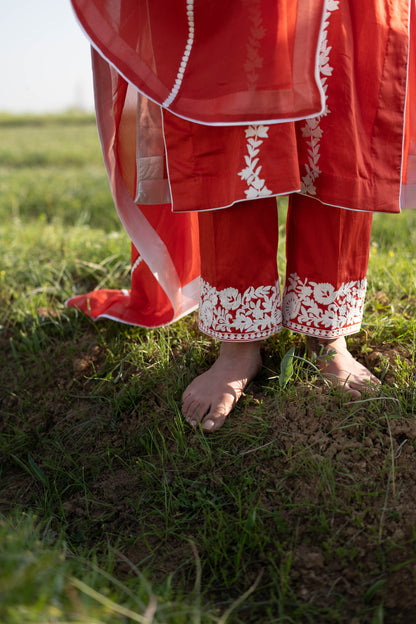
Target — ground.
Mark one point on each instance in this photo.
(328, 488)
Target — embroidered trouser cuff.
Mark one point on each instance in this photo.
(327, 252)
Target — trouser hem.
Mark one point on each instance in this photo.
(246, 337)
(326, 334)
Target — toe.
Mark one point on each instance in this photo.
(194, 411)
(356, 388)
(350, 392)
(212, 424)
(208, 424)
(216, 418)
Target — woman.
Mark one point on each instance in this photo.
(208, 112)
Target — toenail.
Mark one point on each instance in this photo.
(208, 424)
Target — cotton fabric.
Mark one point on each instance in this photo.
(179, 136)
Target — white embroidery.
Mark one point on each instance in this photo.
(319, 309)
(256, 186)
(312, 129)
(186, 54)
(136, 263)
(229, 314)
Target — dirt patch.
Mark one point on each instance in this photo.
(337, 487)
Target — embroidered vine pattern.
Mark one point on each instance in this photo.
(251, 173)
(312, 128)
(254, 313)
(254, 60)
(321, 306)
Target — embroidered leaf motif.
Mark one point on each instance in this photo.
(257, 186)
(254, 143)
(245, 173)
(250, 131)
(262, 132)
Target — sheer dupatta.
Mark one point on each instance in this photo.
(262, 55)
(165, 246)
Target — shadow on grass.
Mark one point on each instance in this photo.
(311, 495)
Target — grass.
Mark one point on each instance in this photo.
(300, 509)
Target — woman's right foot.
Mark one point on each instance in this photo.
(209, 398)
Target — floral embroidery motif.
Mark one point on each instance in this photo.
(251, 173)
(312, 129)
(229, 314)
(322, 310)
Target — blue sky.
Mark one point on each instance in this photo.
(44, 58)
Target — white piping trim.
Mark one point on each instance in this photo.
(325, 203)
(402, 201)
(189, 303)
(284, 194)
(318, 76)
(144, 237)
(186, 54)
(166, 156)
(124, 322)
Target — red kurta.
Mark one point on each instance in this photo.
(259, 98)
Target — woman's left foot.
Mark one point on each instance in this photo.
(338, 366)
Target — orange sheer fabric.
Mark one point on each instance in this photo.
(262, 54)
(165, 246)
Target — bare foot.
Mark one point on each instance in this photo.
(210, 397)
(340, 368)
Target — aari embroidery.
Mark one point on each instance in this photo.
(229, 314)
(312, 128)
(320, 309)
(251, 173)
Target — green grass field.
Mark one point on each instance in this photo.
(301, 509)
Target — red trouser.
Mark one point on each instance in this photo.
(327, 252)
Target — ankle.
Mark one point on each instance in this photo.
(325, 346)
(240, 349)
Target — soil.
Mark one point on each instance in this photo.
(343, 479)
